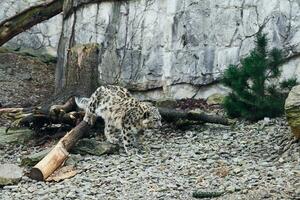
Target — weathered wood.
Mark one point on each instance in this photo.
(49, 163)
(64, 114)
(74, 135)
(28, 18)
(68, 106)
(81, 73)
(171, 115)
(207, 194)
(59, 153)
(38, 117)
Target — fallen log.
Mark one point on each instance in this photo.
(37, 117)
(172, 115)
(64, 114)
(56, 157)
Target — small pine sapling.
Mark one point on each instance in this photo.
(256, 90)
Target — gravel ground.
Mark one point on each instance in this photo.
(247, 161)
(23, 81)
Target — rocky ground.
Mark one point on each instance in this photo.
(24, 80)
(247, 161)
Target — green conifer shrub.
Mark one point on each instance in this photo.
(256, 90)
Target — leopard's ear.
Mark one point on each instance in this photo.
(146, 114)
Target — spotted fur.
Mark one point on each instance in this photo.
(122, 113)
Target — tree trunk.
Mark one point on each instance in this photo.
(66, 114)
(59, 153)
(171, 115)
(28, 18)
(81, 71)
(82, 68)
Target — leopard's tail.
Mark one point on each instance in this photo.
(82, 102)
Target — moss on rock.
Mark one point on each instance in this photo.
(292, 110)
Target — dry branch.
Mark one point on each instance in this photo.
(28, 18)
(171, 115)
(65, 114)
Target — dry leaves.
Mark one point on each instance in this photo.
(63, 173)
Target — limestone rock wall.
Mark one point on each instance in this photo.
(178, 48)
(166, 48)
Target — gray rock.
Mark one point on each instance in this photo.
(237, 170)
(230, 189)
(34, 158)
(215, 99)
(16, 136)
(93, 147)
(292, 110)
(10, 174)
(161, 50)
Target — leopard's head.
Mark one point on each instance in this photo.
(151, 117)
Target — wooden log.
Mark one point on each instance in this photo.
(59, 114)
(49, 163)
(172, 115)
(59, 153)
(68, 106)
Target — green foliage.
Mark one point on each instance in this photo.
(256, 91)
(288, 83)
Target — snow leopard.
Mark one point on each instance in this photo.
(124, 116)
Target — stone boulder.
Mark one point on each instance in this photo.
(292, 110)
(10, 174)
(215, 99)
(15, 136)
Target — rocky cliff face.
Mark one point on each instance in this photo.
(176, 48)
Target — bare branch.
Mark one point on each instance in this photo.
(28, 18)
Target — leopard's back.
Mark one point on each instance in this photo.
(110, 102)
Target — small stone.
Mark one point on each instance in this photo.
(265, 194)
(237, 170)
(244, 191)
(230, 189)
(281, 160)
(26, 77)
(9, 71)
(10, 174)
(10, 187)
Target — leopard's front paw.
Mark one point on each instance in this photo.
(130, 150)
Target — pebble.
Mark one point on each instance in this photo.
(237, 170)
(178, 163)
(230, 189)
